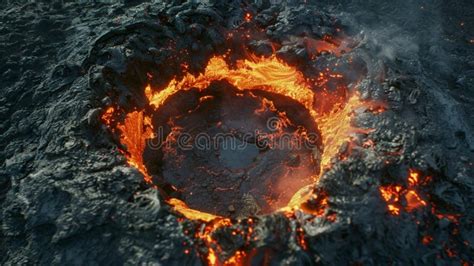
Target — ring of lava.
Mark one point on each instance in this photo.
(235, 98)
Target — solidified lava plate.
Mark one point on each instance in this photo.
(236, 133)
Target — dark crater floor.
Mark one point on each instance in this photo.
(232, 162)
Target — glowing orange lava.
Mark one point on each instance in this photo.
(426, 240)
(413, 201)
(393, 194)
(135, 130)
(182, 208)
(108, 116)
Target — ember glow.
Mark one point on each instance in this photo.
(393, 195)
(411, 197)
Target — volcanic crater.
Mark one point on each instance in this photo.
(216, 153)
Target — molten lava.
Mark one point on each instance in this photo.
(393, 195)
(136, 129)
